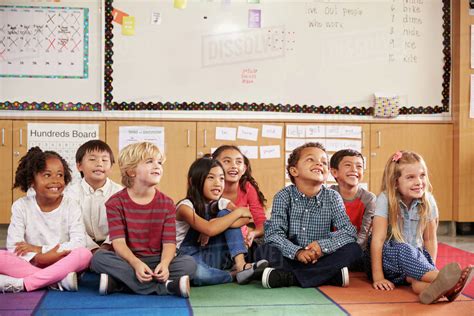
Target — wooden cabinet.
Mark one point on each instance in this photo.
(180, 152)
(6, 171)
(432, 141)
(20, 142)
(269, 173)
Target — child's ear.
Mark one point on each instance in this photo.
(78, 166)
(293, 171)
(334, 172)
(131, 173)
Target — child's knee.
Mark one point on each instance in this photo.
(223, 213)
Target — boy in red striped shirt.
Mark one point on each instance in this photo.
(142, 229)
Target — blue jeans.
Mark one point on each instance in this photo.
(216, 256)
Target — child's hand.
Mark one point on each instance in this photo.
(46, 259)
(161, 273)
(249, 238)
(245, 212)
(384, 285)
(203, 239)
(22, 248)
(306, 256)
(143, 272)
(316, 249)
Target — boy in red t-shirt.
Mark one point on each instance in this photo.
(142, 228)
(347, 167)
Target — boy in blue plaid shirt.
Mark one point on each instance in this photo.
(309, 240)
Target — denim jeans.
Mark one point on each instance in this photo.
(214, 258)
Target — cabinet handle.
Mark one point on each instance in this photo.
(188, 136)
(3, 137)
(205, 138)
(21, 137)
(379, 139)
(363, 140)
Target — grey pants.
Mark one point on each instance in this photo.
(108, 262)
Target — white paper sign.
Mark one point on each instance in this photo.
(155, 18)
(248, 133)
(251, 152)
(292, 143)
(344, 131)
(338, 144)
(272, 131)
(295, 131)
(134, 134)
(313, 131)
(226, 133)
(268, 152)
(64, 139)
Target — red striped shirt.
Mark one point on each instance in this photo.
(144, 227)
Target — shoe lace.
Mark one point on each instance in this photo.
(10, 288)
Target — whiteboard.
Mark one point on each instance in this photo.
(67, 64)
(329, 53)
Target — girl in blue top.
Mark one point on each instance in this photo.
(404, 245)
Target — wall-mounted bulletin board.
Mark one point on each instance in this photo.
(50, 55)
(328, 57)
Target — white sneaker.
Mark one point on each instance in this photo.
(345, 277)
(179, 287)
(69, 283)
(9, 284)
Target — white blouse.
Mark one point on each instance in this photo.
(62, 226)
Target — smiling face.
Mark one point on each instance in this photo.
(49, 183)
(350, 171)
(148, 172)
(412, 182)
(234, 165)
(214, 184)
(312, 166)
(96, 166)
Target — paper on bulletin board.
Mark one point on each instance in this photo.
(292, 143)
(272, 131)
(339, 144)
(226, 133)
(314, 131)
(251, 152)
(295, 131)
(64, 139)
(134, 134)
(247, 133)
(343, 131)
(269, 152)
(471, 105)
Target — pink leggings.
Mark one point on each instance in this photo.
(36, 278)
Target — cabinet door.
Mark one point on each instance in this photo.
(432, 141)
(180, 152)
(6, 171)
(269, 173)
(20, 142)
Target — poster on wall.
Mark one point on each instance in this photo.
(44, 42)
(64, 139)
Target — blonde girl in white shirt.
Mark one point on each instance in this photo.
(46, 238)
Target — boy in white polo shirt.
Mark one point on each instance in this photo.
(94, 160)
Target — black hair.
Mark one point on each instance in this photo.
(94, 145)
(33, 163)
(197, 175)
(296, 155)
(339, 155)
(247, 176)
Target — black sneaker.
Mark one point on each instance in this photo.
(273, 278)
(341, 278)
(108, 285)
(254, 272)
(179, 287)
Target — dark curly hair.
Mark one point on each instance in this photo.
(296, 155)
(33, 163)
(247, 176)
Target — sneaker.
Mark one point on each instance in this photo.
(9, 284)
(341, 279)
(69, 283)
(273, 278)
(254, 272)
(108, 285)
(179, 287)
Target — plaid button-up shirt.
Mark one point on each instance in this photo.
(298, 220)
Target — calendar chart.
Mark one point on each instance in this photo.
(44, 42)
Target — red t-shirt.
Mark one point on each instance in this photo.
(144, 227)
(250, 199)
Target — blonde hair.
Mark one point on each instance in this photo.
(132, 155)
(391, 174)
